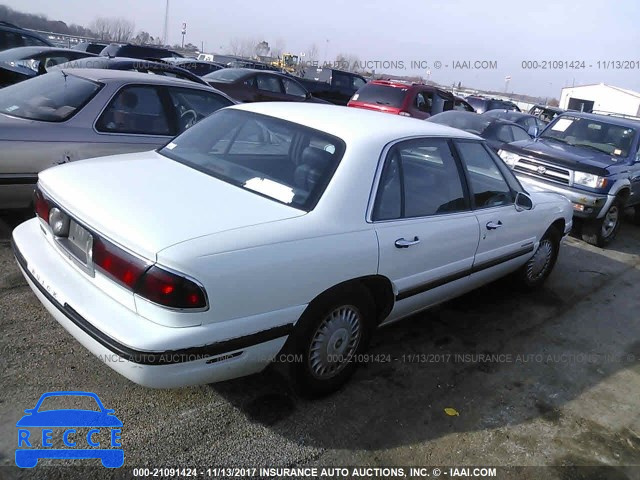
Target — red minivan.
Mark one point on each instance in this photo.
(402, 98)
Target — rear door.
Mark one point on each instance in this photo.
(507, 236)
(270, 88)
(427, 233)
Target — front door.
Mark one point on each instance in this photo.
(507, 235)
(427, 233)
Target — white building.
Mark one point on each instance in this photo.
(601, 98)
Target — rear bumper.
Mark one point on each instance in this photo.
(214, 355)
(585, 204)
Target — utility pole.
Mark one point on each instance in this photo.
(184, 32)
(165, 33)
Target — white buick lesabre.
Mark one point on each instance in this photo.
(270, 228)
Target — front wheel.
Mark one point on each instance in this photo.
(534, 273)
(601, 231)
(329, 338)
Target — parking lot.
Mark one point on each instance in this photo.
(550, 378)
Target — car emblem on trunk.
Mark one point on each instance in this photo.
(541, 170)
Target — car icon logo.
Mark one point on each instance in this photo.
(541, 170)
(80, 433)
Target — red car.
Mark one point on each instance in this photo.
(402, 98)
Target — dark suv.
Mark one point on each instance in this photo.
(401, 98)
(12, 36)
(593, 160)
(484, 104)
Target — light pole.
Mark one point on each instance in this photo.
(326, 48)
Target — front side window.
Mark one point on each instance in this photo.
(135, 110)
(488, 186)
(283, 161)
(519, 133)
(420, 178)
(54, 97)
(423, 102)
(358, 83)
(191, 106)
(293, 88)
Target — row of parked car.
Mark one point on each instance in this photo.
(217, 229)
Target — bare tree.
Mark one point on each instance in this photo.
(100, 27)
(262, 49)
(312, 53)
(113, 29)
(242, 47)
(122, 29)
(347, 61)
(278, 48)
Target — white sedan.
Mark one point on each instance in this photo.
(276, 228)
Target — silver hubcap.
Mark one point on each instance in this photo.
(610, 221)
(335, 341)
(539, 263)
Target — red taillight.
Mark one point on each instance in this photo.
(150, 282)
(118, 264)
(171, 290)
(42, 205)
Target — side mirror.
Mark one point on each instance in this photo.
(523, 202)
(533, 131)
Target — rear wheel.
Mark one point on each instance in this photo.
(636, 215)
(329, 337)
(534, 273)
(601, 232)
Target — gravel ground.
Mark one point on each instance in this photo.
(549, 379)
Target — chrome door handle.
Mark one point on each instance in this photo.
(494, 225)
(402, 243)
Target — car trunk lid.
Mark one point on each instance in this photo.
(147, 202)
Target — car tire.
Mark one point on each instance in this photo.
(533, 274)
(635, 218)
(601, 232)
(328, 339)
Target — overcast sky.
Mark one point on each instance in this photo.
(505, 31)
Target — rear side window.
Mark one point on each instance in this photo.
(54, 97)
(420, 178)
(381, 95)
(136, 110)
(269, 83)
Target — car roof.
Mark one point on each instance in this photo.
(106, 75)
(620, 121)
(352, 124)
(508, 113)
(18, 53)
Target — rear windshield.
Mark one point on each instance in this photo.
(226, 75)
(467, 121)
(283, 161)
(381, 95)
(53, 97)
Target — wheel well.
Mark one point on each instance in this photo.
(559, 225)
(377, 285)
(624, 194)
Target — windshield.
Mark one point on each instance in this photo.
(284, 161)
(381, 95)
(226, 75)
(470, 122)
(53, 97)
(601, 136)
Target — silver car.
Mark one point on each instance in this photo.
(65, 116)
